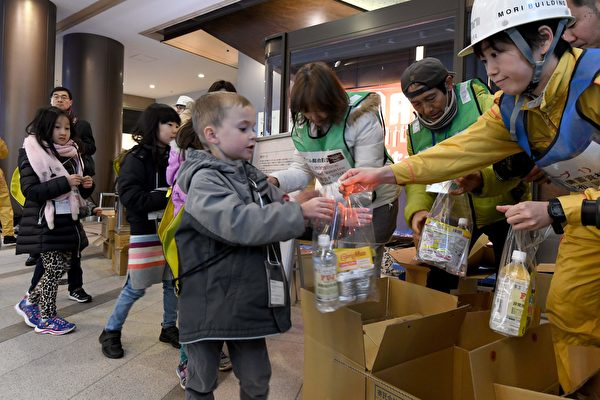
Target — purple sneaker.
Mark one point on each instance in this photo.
(30, 312)
(54, 326)
(181, 371)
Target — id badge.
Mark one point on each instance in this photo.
(62, 207)
(276, 283)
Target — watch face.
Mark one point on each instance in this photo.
(556, 212)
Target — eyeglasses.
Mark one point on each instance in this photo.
(60, 97)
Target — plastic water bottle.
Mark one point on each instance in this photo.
(325, 269)
(510, 311)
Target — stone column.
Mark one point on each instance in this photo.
(27, 45)
(93, 70)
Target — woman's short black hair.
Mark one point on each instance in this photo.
(530, 33)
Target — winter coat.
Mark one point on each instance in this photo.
(139, 178)
(229, 299)
(35, 236)
(88, 145)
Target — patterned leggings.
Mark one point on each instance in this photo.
(44, 295)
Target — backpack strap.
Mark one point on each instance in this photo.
(212, 260)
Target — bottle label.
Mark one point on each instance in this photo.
(353, 259)
(326, 287)
(511, 305)
(444, 245)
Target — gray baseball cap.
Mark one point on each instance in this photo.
(429, 72)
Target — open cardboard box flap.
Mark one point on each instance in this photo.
(411, 339)
(363, 333)
(479, 358)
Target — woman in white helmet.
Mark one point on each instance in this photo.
(549, 106)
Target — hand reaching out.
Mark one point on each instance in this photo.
(273, 181)
(468, 183)
(318, 208)
(527, 215)
(356, 216)
(417, 223)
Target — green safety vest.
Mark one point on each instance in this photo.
(422, 138)
(328, 157)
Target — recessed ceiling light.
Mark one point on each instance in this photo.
(152, 86)
(200, 75)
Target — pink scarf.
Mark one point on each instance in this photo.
(47, 167)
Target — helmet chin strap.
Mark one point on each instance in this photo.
(538, 67)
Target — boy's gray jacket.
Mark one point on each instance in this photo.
(229, 299)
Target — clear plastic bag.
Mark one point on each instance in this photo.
(347, 240)
(513, 306)
(447, 232)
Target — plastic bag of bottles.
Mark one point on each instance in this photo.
(343, 256)
(447, 232)
(513, 306)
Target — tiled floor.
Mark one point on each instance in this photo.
(34, 366)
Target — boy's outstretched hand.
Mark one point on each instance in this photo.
(318, 208)
(356, 217)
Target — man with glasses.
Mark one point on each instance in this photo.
(62, 98)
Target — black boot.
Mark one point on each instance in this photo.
(170, 335)
(32, 260)
(111, 344)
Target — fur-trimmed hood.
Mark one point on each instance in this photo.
(370, 104)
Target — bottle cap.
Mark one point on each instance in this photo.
(519, 256)
(323, 240)
(463, 222)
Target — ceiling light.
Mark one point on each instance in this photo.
(152, 86)
(337, 64)
(200, 75)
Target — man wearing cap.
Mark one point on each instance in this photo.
(444, 109)
(585, 31)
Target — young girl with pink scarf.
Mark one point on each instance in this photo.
(54, 186)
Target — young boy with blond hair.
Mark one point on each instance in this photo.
(233, 288)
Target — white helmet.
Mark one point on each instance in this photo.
(489, 17)
(184, 101)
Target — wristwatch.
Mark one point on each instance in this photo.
(556, 212)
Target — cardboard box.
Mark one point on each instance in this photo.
(504, 392)
(542, 286)
(108, 225)
(469, 369)
(344, 350)
(121, 239)
(478, 301)
(587, 390)
(107, 249)
(120, 259)
(416, 272)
